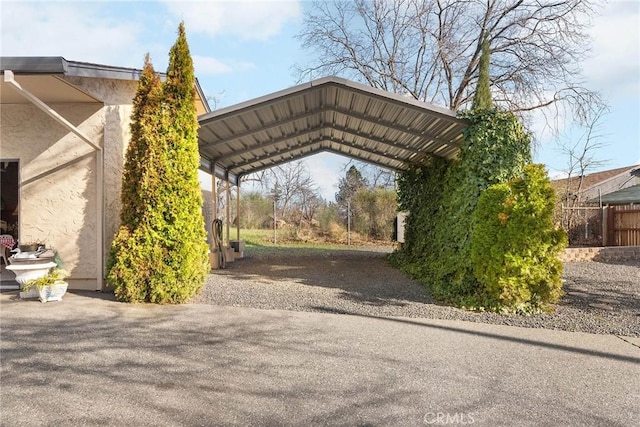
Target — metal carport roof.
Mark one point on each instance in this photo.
(329, 114)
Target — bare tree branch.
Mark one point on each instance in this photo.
(430, 50)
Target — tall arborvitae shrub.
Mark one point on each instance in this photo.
(515, 245)
(182, 229)
(131, 260)
(482, 99)
(496, 149)
(160, 252)
(138, 173)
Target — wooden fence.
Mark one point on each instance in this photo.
(622, 225)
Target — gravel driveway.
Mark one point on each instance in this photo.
(599, 298)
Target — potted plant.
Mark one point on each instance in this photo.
(50, 287)
(30, 246)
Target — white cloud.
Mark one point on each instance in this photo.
(205, 65)
(247, 19)
(615, 65)
(75, 30)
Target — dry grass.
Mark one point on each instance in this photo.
(305, 237)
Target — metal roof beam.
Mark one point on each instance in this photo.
(348, 113)
(322, 128)
(382, 141)
(392, 125)
(373, 162)
(321, 149)
(272, 155)
(271, 143)
(220, 171)
(268, 157)
(361, 148)
(265, 128)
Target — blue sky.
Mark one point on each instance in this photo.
(246, 49)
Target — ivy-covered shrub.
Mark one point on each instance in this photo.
(515, 246)
(420, 194)
(479, 256)
(495, 150)
(442, 196)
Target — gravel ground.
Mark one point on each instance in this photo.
(599, 298)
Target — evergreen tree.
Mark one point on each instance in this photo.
(138, 167)
(160, 252)
(182, 225)
(349, 185)
(482, 99)
(130, 262)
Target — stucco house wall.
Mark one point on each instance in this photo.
(117, 96)
(58, 198)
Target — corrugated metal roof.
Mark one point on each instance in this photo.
(329, 114)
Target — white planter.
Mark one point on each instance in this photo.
(26, 271)
(31, 293)
(53, 292)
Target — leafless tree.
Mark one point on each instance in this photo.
(582, 159)
(309, 202)
(214, 101)
(294, 186)
(430, 49)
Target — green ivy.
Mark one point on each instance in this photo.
(442, 196)
(420, 195)
(496, 149)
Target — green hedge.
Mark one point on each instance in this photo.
(515, 246)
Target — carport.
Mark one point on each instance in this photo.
(325, 115)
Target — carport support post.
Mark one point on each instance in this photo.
(238, 212)
(214, 196)
(275, 222)
(348, 222)
(214, 205)
(228, 208)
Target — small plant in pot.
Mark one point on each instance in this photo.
(30, 246)
(50, 287)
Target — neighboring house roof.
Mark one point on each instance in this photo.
(594, 179)
(35, 67)
(622, 197)
(595, 185)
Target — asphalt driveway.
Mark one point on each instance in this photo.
(88, 360)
